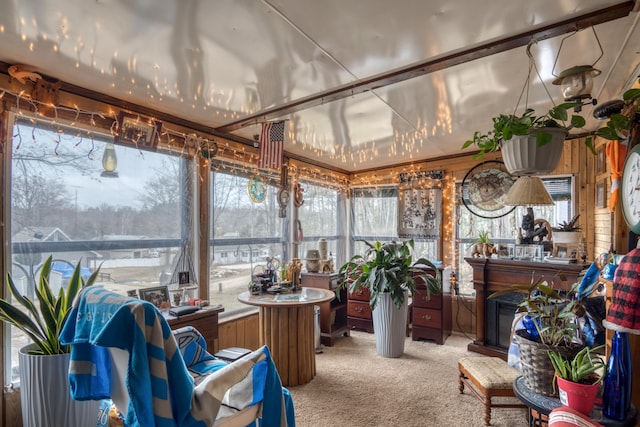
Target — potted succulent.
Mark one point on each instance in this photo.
(389, 272)
(44, 364)
(550, 321)
(529, 143)
(578, 378)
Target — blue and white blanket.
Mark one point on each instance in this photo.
(162, 392)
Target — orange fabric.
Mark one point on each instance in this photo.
(616, 152)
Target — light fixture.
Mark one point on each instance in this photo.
(109, 161)
(528, 191)
(576, 82)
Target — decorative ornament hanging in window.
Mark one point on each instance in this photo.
(420, 204)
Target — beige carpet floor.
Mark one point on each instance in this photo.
(356, 387)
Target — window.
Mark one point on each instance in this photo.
(318, 218)
(374, 213)
(62, 205)
(505, 229)
(245, 235)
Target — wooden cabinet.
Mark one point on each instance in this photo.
(204, 320)
(359, 311)
(431, 317)
(333, 314)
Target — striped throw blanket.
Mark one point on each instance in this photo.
(162, 393)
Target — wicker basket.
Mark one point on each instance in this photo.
(537, 369)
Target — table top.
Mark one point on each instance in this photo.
(545, 404)
(301, 297)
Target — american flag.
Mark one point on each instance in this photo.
(271, 143)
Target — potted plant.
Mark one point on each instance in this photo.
(483, 246)
(578, 378)
(389, 272)
(550, 324)
(530, 144)
(44, 364)
(619, 124)
(567, 232)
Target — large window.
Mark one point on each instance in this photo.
(247, 235)
(374, 213)
(64, 206)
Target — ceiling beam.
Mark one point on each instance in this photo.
(489, 48)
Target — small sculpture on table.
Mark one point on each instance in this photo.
(293, 270)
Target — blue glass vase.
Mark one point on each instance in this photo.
(617, 382)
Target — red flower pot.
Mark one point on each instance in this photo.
(580, 397)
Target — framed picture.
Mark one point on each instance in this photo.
(136, 130)
(600, 195)
(600, 165)
(158, 296)
(183, 278)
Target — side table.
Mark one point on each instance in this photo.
(540, 406)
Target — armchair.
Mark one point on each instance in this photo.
(123, 349)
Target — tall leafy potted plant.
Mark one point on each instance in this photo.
(44, 364)
(579, 378)
(389, 272)
(530, 143)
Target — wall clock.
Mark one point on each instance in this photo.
(630, 190)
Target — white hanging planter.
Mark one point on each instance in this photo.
(523, 156)
(44, 393)
(389, 325)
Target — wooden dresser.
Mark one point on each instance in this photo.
(333, 314)
(359, 311)
(431, 317)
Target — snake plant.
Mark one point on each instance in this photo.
(43, 318)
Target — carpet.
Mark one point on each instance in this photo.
(356, 387)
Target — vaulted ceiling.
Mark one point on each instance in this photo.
(362, 84)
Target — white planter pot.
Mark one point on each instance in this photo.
(44, 393)
(523, 156)
(567, 237)
(389, 326)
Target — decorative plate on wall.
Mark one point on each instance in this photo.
(485, 189)
(257, 188)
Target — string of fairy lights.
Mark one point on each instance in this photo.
(222, 155)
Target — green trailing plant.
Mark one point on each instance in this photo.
(587, 367)
(505, 126)
(43, 318)
(568, 226)
(618, 125)
(554, 314)
(388, 267)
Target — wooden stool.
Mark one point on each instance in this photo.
(488, 377)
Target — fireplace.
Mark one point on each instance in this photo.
(495, 316)
(499, 314)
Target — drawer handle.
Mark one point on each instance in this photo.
(359, 292)
(358, 309)
(426, 299)
(426, 317)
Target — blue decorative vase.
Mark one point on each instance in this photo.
(617, 382)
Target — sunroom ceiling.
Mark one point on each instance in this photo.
(363, 83)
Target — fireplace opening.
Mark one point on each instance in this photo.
(500, 312)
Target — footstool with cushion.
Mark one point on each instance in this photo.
(488, 377)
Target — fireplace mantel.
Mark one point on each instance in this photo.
(491, 275)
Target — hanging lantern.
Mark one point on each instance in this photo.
(576, 82)
(109, 161)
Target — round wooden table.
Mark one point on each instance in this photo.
(287, 328)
